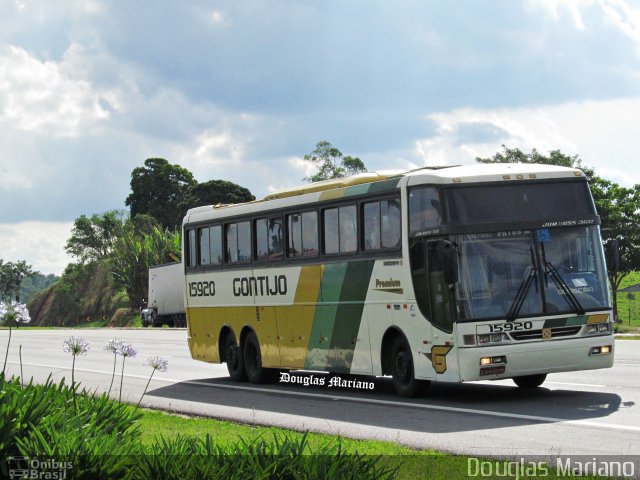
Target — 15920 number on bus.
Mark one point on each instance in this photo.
(202, 289)
(510, 327)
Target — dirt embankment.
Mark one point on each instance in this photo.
(84, 294)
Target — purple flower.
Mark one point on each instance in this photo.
(113, 346)
(126, 350)
(76, 346)
(14, 311)
(157, 363)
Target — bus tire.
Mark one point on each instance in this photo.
(235, 361)
(530, 381)
(404, 380)
(253, 361)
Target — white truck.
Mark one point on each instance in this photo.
(166, 296)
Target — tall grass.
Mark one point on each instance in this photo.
(101, 438)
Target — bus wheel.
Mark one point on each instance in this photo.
(253, 361)
(235, 362)
(404, 380)
(530, 381)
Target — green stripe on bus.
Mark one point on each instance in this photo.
(349, 314)
(336, 322)
(565, 322)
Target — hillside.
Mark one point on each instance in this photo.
(84, 294)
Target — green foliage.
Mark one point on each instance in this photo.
(617, 206)
(101, 439)
(141, 246)
(93, 238)
(331, 163)
(215, 192)
(282, 457)
(45, 420)
(11, 276)
(31, 286)
(157, 189)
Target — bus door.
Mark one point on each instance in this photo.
(434, 272)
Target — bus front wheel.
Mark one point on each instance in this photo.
(404, 380)
(530, 381)
(235, 361)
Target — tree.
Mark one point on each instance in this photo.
(140, 246)
(157, 189)
(617, 206)
(215, 192)
(11, 275)
(93, 238)
(331, 163)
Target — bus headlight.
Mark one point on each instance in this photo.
(604, 350)
(596, 328)
(492, 338)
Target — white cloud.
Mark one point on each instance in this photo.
(598, 131)
(40, 244)
(624, 17)
(46, 97)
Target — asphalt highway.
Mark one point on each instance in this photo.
(592, 413)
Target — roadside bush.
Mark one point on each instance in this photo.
(101, 439)
(56, 420)
(283, 458)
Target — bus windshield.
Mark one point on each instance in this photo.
(532, 272)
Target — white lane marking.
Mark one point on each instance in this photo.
(374, 401)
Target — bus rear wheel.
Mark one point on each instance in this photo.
(530, 381)
(404, 380)
(235, 361)
(253, 361)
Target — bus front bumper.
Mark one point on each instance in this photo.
(533, 358)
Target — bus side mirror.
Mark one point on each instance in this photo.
(449, 256)
(612, 254)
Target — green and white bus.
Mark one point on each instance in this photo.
(446, 274)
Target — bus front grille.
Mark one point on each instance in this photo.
(537, 334)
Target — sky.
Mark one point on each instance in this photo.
(241, 91)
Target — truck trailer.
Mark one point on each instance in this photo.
(166, 296)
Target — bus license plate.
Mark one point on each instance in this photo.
(485, 371)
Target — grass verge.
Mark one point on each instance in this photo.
(407, 463)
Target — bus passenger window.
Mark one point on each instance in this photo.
(391, 224)
(275, 238)
(331, 235)
(294, 225)
(262, 239)
(348, 229)
(232, 243)
(244, 241)
(371, 213)
(215, 239)
(192, 248)
(205, 259)
(310, 234)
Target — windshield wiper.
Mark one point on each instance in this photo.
(562, 285)
(521, 294)
(550, 270)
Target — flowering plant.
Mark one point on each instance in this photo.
(75, 346)
(114, 347)
(126, 350)
(156, 363)
(12, 312)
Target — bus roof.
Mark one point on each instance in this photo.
(389, 179)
